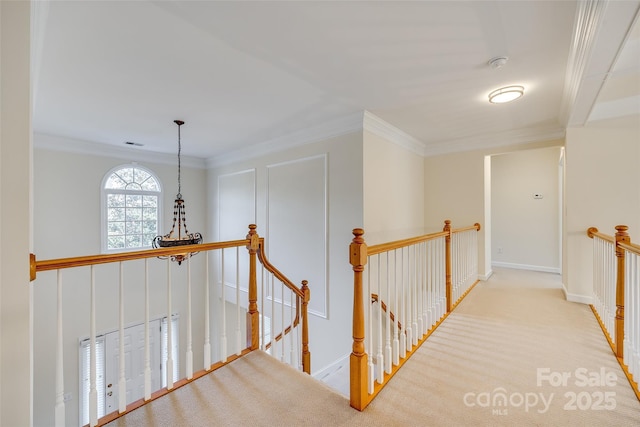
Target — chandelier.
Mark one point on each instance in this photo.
(182, 236)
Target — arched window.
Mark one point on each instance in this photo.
(131, 208)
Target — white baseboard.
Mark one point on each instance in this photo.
(330, 369)
(582, 299)
(485, 277)
(526, 267)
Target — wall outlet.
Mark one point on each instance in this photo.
(499, 250)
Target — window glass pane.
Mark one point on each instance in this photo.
(150, 227)
(133, 241)
(140, 176)
(115, 214)
(115, 200)
(134, 214)
(115, 228)
(133, 186)
(126, 174)
(134, 200)
(149, 214)
(150, 201)
(115, 182)
(147, 239)
(115, 242)
(150, 185)
(133, 227)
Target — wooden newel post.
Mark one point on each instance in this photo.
(306, 354)
(358, 360)
(447, 251)
(253, 321)
(621, 236)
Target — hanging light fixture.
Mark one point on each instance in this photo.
(182, 237)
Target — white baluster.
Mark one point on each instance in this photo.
(263, 344)
(387, 346)
(238, 331)
(223, 311)
(60, 417)
(147, 340)
(93, 392)
(371, 373)
(189, 355)
(414, 297)
(379, 356)
(282, 323)
(207, 308)
(122, 381)
(423, 287)
(273, 317)
(396, 341)
(169, 331)
(291, 335)
(403, 297)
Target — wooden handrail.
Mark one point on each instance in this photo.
(82, 261)
(630, 247)
(385, 247)
(374, 298)
(593, 232)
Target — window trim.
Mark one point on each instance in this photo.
(104, 235)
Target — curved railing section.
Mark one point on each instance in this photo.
(616, 296)
(402, 291)
(215, 307)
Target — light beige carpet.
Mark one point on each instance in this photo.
(513, 353)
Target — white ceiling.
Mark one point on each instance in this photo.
(247, 73)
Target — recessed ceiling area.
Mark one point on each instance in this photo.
(242, 74)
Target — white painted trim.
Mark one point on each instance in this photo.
(377, 126)
(582, 299)
(341, 126)
(331, 368)
(70, 145)
(485, 277)
(526, 267)
(481, 142)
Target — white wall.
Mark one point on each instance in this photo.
(454, 189)
(526, 229)
(305, 202)
(67, 223)
(602, 191)
(15, 214)
(393, 190)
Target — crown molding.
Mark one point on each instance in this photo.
(383, 129)
(589, 16)
(520, 136)
(76, 146)
(341, 126)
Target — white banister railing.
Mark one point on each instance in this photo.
(138, 295)
(631, 344)
(402, 291)
(616, 296)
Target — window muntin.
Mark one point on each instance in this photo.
(131, 208)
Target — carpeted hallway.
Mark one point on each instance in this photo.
(513, 353)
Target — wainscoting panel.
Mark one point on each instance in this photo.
(297, 224)
(236, 210)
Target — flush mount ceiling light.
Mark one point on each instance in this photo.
(506, 94)
(182, 237)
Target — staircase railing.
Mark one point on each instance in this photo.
(616, 296)
(402, 291)
(223, 282)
